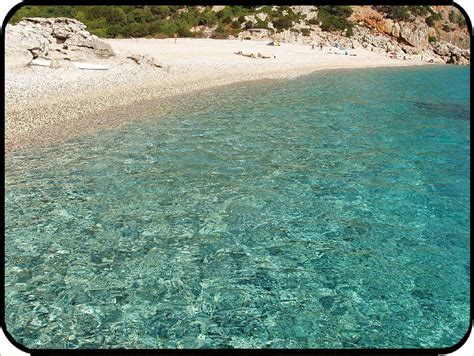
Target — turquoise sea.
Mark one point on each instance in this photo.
(327, 211)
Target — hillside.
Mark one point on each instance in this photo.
(431, 33)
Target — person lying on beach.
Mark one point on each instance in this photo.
(251, 55)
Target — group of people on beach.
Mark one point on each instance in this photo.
(320, 46)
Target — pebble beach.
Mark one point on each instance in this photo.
(44, 105)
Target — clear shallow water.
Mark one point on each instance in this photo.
(330, 211)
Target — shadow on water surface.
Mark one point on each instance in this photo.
(445, 110)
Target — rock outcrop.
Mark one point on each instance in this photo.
(414, 33)
(415, 37)
(450, 53)
(58, 39)
(144, 60)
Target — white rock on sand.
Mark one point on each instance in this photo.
(57, 39)
(43, 104)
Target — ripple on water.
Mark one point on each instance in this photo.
(331, 211)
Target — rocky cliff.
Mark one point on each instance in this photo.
(438, 35)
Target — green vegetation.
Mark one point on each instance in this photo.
(306, 31)
(220, 32)
(432, 39)
(432, 19)
(183, 21)
(334, 18)
(408, 13)
(405, 13)
(145, 21)
(400, 13)
(261, 24)
(420, 10)
(282, 23)
(283, 18)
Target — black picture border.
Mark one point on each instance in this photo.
(118, 351)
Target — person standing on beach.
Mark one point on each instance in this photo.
(312, 46)
(175, 36)
(321, 46)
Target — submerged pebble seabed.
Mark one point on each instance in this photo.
(330, 211)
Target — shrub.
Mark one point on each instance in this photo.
(267, 9)
(160, 11)
(461, 21)
(340, 11)
(139, 29)
(238, 10)
(141, 15)
(226, 20)
(270, 12)
(111, 14)
(419, 10)
(207, 18)
(282, 23)
(187, 18)
(400, 13)
(220, 32)
(99, 32)
(261, 24)
(306, 31)
(168, 28)
(333, 18)
(432, 39)
(183, 30)
(44, 11)
(431, 20)
(235, 25)
(100, 22)
(226, 12)
(115, 31)
(249, 25)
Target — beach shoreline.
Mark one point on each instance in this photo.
(46, 105)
